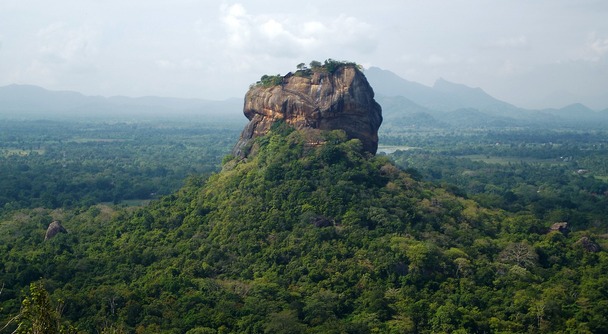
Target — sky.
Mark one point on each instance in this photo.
(532, 53)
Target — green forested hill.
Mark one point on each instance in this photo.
(321, 239)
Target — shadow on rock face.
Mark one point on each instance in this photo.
(338, 100)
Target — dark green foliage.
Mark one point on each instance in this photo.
(310, 238)
(552, 175)
(332, 65)
(38, 315)
(328, 66)
(270, 80)
(315, 64)
(69, 164)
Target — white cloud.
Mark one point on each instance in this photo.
(58, 55)
(237, 24)
(436, 60)
(599, 46)
(432, 59)
(191, 64)
(290, 35)
(59, 42)
(508, 67)
(272, 29)
(166, 64)
(206, 49)
(511, 42)
(313, 28)
(593, 49)
(186, 64)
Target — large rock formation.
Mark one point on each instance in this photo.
(318, 99)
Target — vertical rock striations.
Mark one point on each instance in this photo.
(318, 99)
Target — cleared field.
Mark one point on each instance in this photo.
(97, 140)
(20, 152)
(389, 149)
(508, 160)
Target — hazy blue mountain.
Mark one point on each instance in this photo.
(26, 98)
(467, 97)
(26, 101)
(447, 103)
(399, 105)
(576, 110)
(399, 111)
(404, 103)
(443, 96)
(471, 117)
(387, 83)
(578, 114)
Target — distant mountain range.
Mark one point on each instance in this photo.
(27, 101)
(450, 104)
(443, 96)
(404, 103)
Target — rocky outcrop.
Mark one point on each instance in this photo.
(54, 228)
(559, 227)
(318, 99)
(589, 245)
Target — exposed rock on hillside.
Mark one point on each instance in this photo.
(335, 99)
(588, 245)
(54, 228)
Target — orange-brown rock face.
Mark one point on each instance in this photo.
(325, 101)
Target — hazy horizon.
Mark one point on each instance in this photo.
(534, 55)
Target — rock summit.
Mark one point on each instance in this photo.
(333, 96)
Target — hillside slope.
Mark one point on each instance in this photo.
(324, 239)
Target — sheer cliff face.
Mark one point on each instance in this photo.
(325, 101)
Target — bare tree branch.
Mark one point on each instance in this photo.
(9, 322)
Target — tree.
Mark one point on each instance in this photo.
(315, 64)
(37, 315)
(519, 253)
(285, 321)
